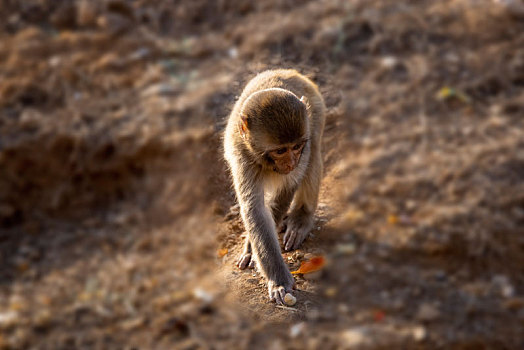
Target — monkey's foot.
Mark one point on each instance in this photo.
(296, 232)
(278, 292)
(246, 260)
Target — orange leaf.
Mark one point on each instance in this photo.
(314, 264)
(222, 252)
(392, 219)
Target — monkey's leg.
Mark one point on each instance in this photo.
(300, 220)
(246, 258)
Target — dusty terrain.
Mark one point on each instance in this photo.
(115, 202)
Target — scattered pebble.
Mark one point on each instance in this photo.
(8, 319)
(296, 329)
(504, 285)
(331, 292)
(388, 61)
(419, 333)
(203, 295)
(427, 312)
(354, 337)
(289, 299)
(346, 248)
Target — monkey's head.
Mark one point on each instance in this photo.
(274, 123)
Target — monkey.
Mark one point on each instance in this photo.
(272, 144)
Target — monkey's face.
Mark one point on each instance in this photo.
(286, 158)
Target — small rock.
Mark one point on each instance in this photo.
(419, 333)
(343, 308)
(427, 312)
(232, 52)
(354, 337)
(504, 285)
(203, 295)
(331, 292)
(289, 299)
(346, 248)
(297, 329)
(9, 319)
(388, 62)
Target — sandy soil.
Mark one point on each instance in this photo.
(118, 224)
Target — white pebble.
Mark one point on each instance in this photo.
(289, 299)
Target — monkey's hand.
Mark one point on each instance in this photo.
(246, 258)
(278, 290)
(298, 227)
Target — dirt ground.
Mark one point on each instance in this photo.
(118, 224)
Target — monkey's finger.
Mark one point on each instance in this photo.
(244, 261)
(279, 298)
(282, 292)
(290, 240)
(251, 264)
(297, 243)
(286, 238)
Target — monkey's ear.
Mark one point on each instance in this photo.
(243, 125)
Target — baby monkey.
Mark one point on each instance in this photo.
(272, 145)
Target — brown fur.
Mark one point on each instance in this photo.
(277, 108)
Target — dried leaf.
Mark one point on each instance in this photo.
(314, 264)
(221, 252)
(392, 219)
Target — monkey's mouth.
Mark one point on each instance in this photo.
(282, 172)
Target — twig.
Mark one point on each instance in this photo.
(286, 308)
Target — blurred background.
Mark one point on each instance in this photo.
(118, 224)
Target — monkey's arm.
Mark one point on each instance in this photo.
(280, 204)
(260, 226)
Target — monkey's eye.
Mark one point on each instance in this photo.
(297, 146)
(281, 150)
